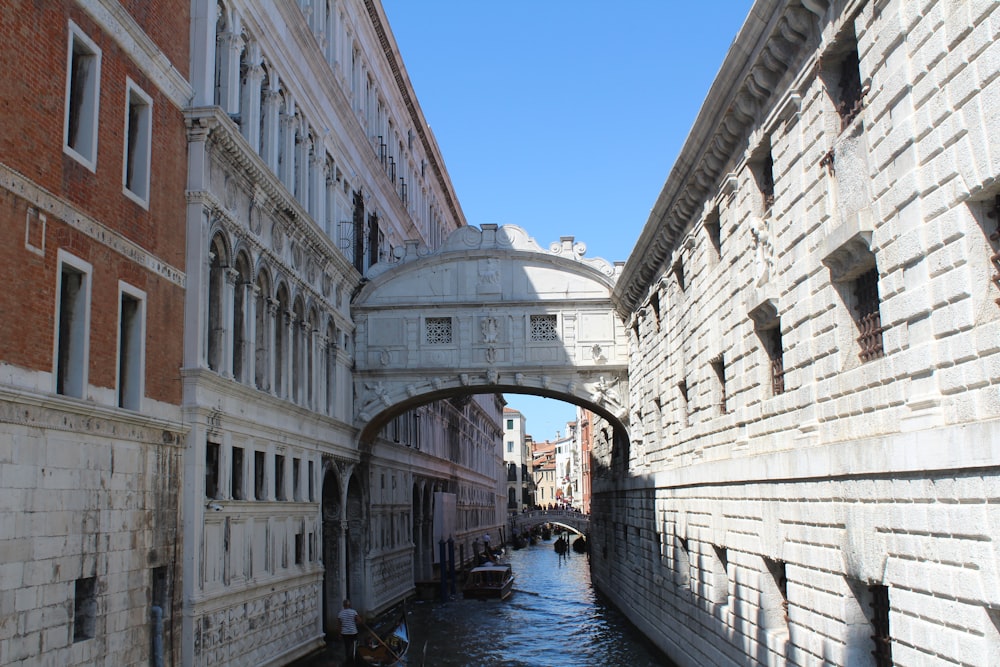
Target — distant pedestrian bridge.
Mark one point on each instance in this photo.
(488, 312)
(574, 521)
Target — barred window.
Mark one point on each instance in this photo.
(775, 353)
(867, 316)
(543, 327)
(437, 330)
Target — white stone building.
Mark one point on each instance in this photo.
(517, 459)
(309, 162)
(811, 476)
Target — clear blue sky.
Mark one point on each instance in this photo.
(562, 117)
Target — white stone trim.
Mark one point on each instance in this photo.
(74, 217)
(116, 21)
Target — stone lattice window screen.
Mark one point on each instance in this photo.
(543, 328)
(437, 330)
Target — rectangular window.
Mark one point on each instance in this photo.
(299, 547)
(678, 269)
(211, 470)
(437, 330)
(84, 609)
(510, 447)
(776, 356)
(260, 475)
(867, 315)
(543, 328)
(83, 79)
(297, 479)
(713, 227)
(72, 326)
(279, 477)
(312, 485)
(719, 367)
(138, 142)
(131, 346)
(510, 424)
(236, 477)
(880, 625)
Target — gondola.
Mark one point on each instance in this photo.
(560, 545)
(380, 649)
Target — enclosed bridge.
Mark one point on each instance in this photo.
(489, 311)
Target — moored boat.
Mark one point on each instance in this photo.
(384, 649)
(489, 581)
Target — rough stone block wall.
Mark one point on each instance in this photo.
(87, 506)
(751, 532)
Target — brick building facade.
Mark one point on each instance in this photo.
(92, 173)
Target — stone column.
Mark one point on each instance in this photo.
(272, 331)
(286, 162)
(302, 163)
(228, 317)
(317, 181)
(229, 45)
(286, 361)
(270, 127)
(250, 292)
(250, 103)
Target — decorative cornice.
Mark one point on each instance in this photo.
(211, 124)
(755, 70)
(68, 213)
(56, 413)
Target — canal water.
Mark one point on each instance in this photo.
(553, 619)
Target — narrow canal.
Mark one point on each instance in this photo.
(553, 619)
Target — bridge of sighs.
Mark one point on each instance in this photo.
(489, 311)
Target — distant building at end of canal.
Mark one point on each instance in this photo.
(811, 476)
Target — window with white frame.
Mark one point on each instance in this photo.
(138, 142)
(83, 83)
(131, 346)
(72, 326)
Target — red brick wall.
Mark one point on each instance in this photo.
(31, 143)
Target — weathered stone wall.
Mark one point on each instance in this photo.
(747, 521)
(97, 498)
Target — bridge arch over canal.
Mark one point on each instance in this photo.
(569, 520)
(490, 311)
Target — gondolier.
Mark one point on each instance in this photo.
(349, 620)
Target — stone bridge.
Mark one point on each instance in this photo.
(574, 521)
(489, 311)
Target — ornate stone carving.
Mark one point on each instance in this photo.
(490, 329)
(277, 237)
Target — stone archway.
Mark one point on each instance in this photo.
(488, 312)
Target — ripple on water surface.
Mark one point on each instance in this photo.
(553, 619)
